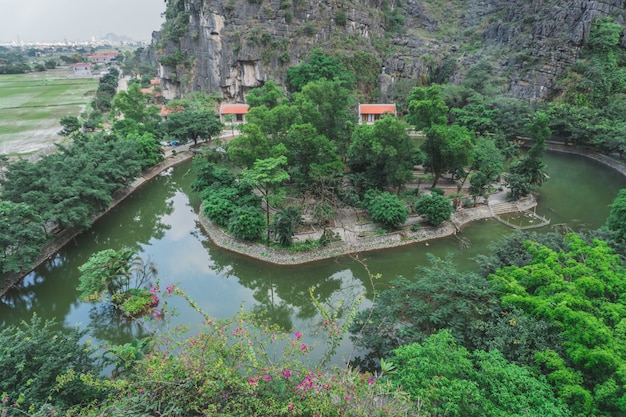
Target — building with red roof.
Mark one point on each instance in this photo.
(369, 113)
(238, 112)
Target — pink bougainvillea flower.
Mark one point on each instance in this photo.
(267, 378)
(287, 373)
(298, 335)
(303, 347)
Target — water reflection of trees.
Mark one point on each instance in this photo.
(283, 291)
(50, 290)
(106, 323)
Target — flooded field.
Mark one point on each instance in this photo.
(32, 104)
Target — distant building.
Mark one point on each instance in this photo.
(82, 69)
(233, 113)
(369, 113)
(154, 90)
(103, 57)
(166, 111)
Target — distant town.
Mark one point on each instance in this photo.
(110, 39)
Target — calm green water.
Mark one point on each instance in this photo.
(159, 222)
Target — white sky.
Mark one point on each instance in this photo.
(74, 20)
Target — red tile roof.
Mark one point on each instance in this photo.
(377, 108)
(234, 109)
(165, 111)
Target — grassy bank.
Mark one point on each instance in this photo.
(31, 106)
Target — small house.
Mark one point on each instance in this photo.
(369, 113)
(166, 111)
(233, 113)
(103, 57)
(82, 69)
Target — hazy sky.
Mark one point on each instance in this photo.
(57, 20)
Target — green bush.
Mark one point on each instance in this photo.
(341, 19)
(386, 208)
(435, 207)
(247, 223)
(34, 355)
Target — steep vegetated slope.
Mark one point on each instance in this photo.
(518, 47)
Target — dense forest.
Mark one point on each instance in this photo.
(537, 330)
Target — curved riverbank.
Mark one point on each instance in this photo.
(353, 241)
(349, 245)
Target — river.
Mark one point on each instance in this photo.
(159, 221)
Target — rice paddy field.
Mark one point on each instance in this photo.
(31, 106)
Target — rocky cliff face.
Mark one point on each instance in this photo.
(228, 47)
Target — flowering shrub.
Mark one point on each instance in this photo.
(246, 367)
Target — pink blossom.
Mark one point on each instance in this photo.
(169, 288)
(267, 378)
(303, 347)
(291, 407)
(370, 380)
(252, 381)
(287, 373)
(298, 335)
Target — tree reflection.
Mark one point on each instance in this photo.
(106, 323)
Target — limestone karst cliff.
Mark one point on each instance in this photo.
(228, 47)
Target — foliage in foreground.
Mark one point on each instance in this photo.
(444, 378)
(244, 366)
(34, 354)
(560, 312)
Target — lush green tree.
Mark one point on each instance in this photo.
(435, 207)
(191, 125)
(447, 149)
(572, 123)
(328, 106)
(70, 186)
(384, 153)
(616, 222)
(253, 144)
(70, 125)
(386, 208)
(285, 224)
(274, 122)
(264, 176)
(487, 166)
(306, 148)
(528, 172)
(510, 115)
(36, 355)
(207, 174)
(318, 66)
(219, 204)
(22, 235)
(611, 136)
(133, 104)
(110, 272)
(149, 147)
(445, 379)
(476, 115)
(269, 95)
(581, 291)
(246, 222)
(437, 297)
(426, 108)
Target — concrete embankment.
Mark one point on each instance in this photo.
(351, 243)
